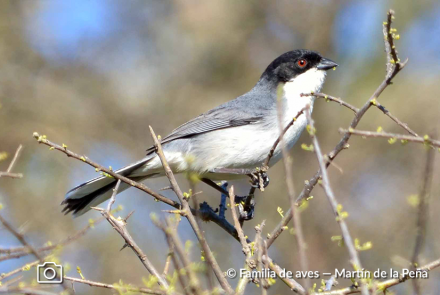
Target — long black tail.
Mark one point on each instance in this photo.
(80, 199)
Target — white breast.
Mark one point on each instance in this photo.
(293, 102)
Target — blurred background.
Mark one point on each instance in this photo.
(95, 74)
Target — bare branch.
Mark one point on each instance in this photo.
(18, 252)
(385, 284)
(293, 285)
(173, 238)
(422, 216)
(272, 150)
(241, 236)
(8, 172)
(122, 289)
(332, 98)
(189, 215)
(393, 136)
(21, 238)
(348, 241)
(120, 225)
(42, 139)
(299, 237)
(394, 118)
(113, 197)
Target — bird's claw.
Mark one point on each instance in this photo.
(246, 211)
(259, 179)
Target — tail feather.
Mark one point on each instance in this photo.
(80, 199)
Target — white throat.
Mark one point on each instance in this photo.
(310, 81)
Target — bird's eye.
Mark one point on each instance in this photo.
(302, 63)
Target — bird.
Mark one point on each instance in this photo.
(238, 134)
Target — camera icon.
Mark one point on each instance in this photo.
(49, 273)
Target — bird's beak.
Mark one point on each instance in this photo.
(326, 64)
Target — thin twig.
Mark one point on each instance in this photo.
(393, 136)
(11, 175)
(8, 172)
(120, 225)
(113, 197)
(18, 252)
(173, 238)
(241, 236)
(293, 285)
(26, 290)
(17, 154)
(123, 289)
(42, 139)
(332, 98)
(395, 119)
(259, 249)
(275, 144)
(299, 237)
(21, 238)
(19, 270)
(23, 241)
(348, 241)
(189, 215)
(422, 216)
(385, 284)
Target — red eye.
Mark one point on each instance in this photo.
(302, 63)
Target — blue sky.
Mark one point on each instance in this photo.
(61, 31)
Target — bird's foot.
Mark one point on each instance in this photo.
(246, 207)
(259, 179)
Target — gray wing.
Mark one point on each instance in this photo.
(224, 116)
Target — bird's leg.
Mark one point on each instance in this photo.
(245, 204)
(247, 207)
(222, 206)
(222, 189)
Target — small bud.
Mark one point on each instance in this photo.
(35, 135)
(392, 140)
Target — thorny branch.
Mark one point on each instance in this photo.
(120, 225)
